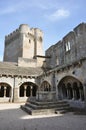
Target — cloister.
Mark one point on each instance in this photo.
(5, 90)
(71, 89)
(28, 89)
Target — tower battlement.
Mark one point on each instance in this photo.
(25, 29)
(24, 42)
(10, 37)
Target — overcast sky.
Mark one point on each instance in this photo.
(54, 17)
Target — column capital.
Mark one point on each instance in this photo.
(25, 87)
(5, 87)
(31, 87)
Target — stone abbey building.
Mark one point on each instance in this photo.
(59, 75)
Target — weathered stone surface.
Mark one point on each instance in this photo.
(25, 42)
(62, 69)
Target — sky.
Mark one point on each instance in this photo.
(54, 17)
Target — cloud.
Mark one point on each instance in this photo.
(10, 9)
(7, 10)
(14, 7)
(21, 6)
(59, 14)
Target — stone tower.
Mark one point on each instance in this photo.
(23, 45)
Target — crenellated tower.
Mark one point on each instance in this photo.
(23, 45)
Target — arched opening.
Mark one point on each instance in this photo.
(28, 89)
(1, 91)
(70, 88)
(45, 86)
(21, 91)
(5, 92)
(64, 91)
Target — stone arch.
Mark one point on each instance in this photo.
(70, 88)
(28, 89)
(5, 92)
(45, 86)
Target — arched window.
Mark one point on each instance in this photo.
(5, 90)
(28, 89)
(45, 86)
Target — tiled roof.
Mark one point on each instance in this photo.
(8, 68)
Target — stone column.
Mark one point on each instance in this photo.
(11, 94)
(74, 94)
(48, 87)
(67, 93)
(31, 89)
(70, 93)
(84, 89)
(15, 94)
(0, 87)
(80, 94)
(4, 91)
(25, 87)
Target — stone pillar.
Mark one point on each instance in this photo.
(4, 91)
(16, 95)
(25, 87)
(53, 81)
(84, 89)
(0, 87)
(57, 93)
(11, 95)
(74, 94)
(48, 87)
(80, 94)
(67, 93)
(31, 90)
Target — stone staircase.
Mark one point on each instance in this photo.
(34, 107)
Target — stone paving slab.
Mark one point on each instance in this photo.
(13, 118)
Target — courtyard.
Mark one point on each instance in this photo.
(13, 118)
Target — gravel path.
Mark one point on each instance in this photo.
(13, 118)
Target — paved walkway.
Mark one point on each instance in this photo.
(13, 118)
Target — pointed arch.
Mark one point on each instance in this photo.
(45, 86)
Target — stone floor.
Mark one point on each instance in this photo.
(13, 118)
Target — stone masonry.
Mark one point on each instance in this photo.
(59, 75)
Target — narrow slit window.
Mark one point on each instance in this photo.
(68, 46)
(29, 41)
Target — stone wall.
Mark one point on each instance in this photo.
(25, 62)
(25, 42)
(13, 47)
(71, 48)
(14, 82)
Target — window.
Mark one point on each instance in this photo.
(40, 38)
(67, 45)
(29, 41)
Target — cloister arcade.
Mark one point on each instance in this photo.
(28, 89)
(70, 88)
(5, 90)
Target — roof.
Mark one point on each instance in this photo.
(9, 68)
